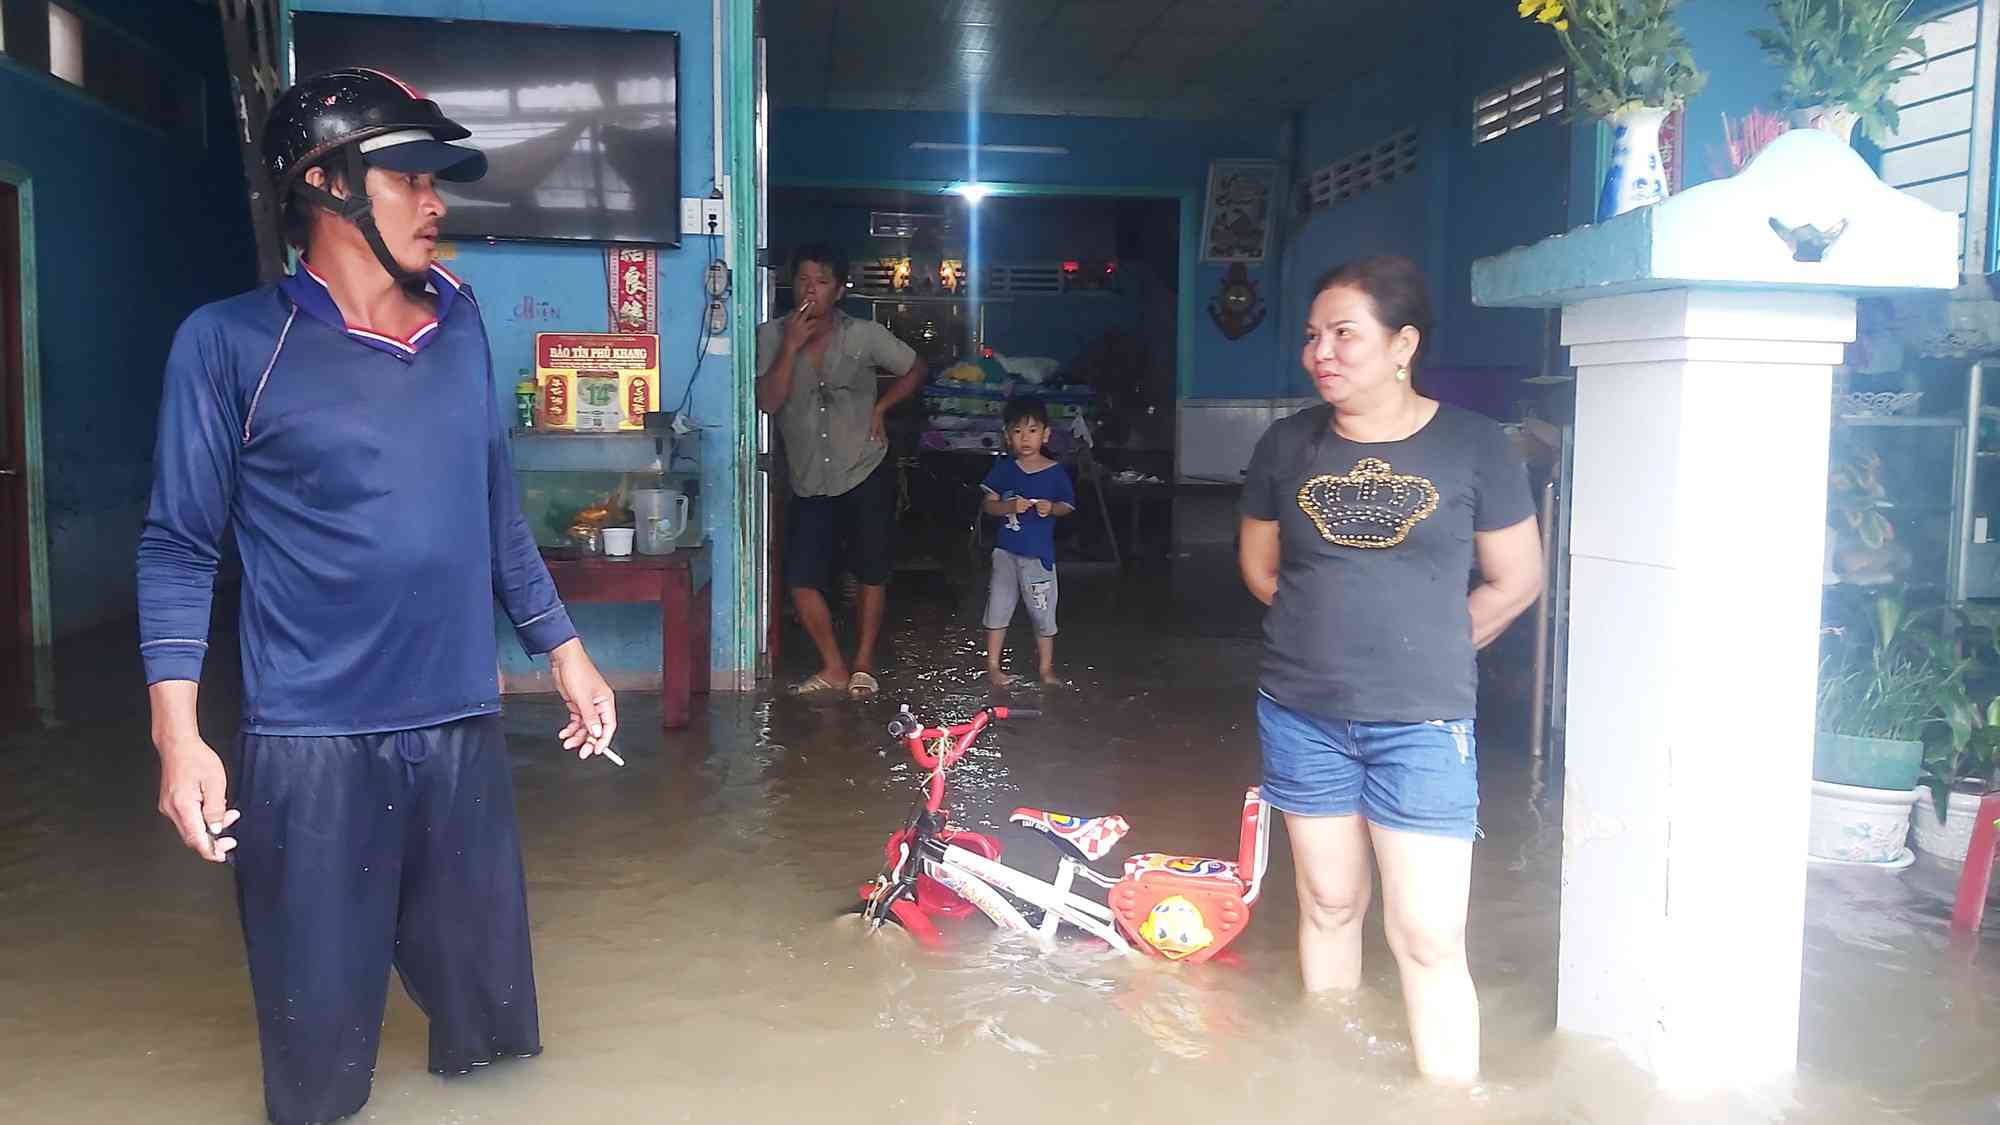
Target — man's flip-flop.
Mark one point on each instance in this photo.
(816, 684)
(862, 686)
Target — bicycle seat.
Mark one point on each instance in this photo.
(1182, 867)
(1089, 838)
(1188, 907)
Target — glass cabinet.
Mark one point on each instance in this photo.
(1898, 482)
(562, 475)
(1978, 564)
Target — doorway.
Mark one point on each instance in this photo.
(26, 680)
(17, 617)
(1072, 295)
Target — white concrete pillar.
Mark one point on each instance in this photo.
(1704, 331)
(1697, 525)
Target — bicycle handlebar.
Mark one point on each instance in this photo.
(913, 733)
(906, 726)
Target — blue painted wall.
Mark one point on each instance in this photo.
(1501, 194)
(133, 230)
(1465, 201)
(822, 146)
(524, 289)
(1358, 110)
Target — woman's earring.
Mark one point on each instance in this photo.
(1402, 374)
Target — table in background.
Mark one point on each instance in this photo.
(684, 616)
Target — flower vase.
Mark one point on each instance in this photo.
(1636, 177)
(1838, 120)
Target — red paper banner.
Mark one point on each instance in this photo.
(633, 283)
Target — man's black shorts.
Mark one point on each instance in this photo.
(854, 529)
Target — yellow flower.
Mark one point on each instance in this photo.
(1543, 11)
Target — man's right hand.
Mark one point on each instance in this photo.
(193, 795)
(802, 325)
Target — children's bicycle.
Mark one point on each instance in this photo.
(1183, 908)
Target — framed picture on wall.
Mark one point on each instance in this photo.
(1236, 220)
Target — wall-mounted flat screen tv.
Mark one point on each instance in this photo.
(580, 126)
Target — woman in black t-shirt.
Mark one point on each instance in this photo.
(1362, 521)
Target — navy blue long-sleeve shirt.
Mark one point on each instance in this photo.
(369, 485)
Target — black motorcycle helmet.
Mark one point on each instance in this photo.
(361, 117)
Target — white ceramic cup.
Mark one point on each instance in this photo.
(617, 542)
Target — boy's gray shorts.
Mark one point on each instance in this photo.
(1018, 579)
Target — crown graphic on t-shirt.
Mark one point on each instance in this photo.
(1370, 506)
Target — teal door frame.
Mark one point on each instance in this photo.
(31, 411)
(1190, 236)
(739, 50)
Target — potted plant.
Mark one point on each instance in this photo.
(1841, 60)
(1959, 768)
(1885, 680)
(1956, 775)
(1631, 66)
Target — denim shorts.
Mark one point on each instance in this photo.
(1412, 777)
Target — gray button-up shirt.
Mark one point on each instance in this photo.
(827, 419)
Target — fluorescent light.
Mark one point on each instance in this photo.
(1018, 150)
(971, 192)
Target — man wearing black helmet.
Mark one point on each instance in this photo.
(343, 425)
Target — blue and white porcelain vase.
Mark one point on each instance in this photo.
(1636, 177)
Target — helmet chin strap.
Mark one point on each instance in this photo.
(358, 209)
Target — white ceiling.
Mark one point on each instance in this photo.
(1174, 59)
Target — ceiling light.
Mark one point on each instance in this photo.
(972, 193)
(1015, 150)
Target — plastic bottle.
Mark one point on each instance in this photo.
(524, 401)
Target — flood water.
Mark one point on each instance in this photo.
(693, 966)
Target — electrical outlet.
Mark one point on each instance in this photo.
(697, 212)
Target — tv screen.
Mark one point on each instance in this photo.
(580, 126)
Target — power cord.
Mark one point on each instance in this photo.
(702, 332)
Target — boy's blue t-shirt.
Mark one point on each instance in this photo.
(1029, 534)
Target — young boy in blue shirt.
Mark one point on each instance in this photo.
(1028, 492)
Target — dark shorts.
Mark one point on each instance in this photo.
(1413, 777)
(824, 534)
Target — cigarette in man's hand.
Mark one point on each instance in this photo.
(613, 755)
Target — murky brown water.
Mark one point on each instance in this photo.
(692, 967)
